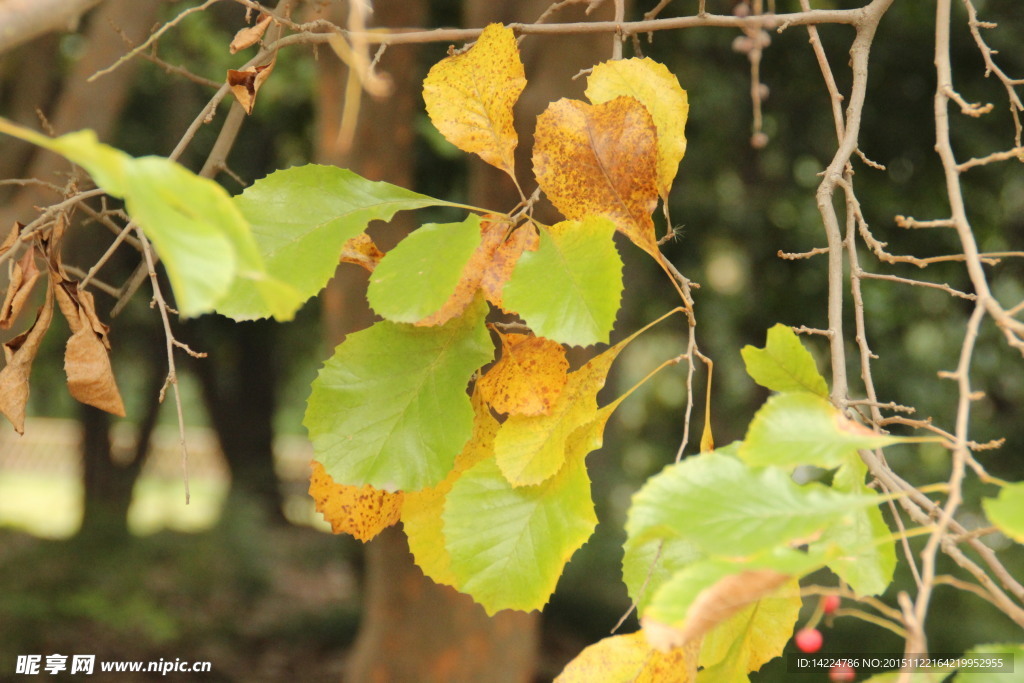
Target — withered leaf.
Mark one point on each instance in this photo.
(360, 511)
(245, 83)
(601, 160)
(19, 353)
(361, 251)
(23, 279)
(250, 35)
(11, 239)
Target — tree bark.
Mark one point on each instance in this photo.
(412, 628)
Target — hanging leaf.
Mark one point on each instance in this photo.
(1006, 511)
(784, 364)
(360, 511)
(204, 242)
(470, 96)
(508, 545)
(726, 508)
(301, 219)
(756, 633)
(417, 278)
(86, 358)
(869, 551)
(246, 83)
(19, 353)
(23, 279)
(390, 409)
(655, 87)
(794, 429)
(629, 658)
(600, 160)
(528, 378)
(250, 35)
(422, 510)
(569, 289)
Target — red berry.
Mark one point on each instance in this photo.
(841, 672)
(808, 639)
(830, 603)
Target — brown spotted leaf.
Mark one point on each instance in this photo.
(528, 378)
(505, 257)
(360, 511)
(19, 354)
(601, 160)
(362, 251)
(629, 658)
(23, 279)
(470, 97)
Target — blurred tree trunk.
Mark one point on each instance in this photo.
(412, 628)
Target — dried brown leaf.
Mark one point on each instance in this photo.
(23, 280)
(19, 353)
(246, 83)
(250, 35)
(361, 251)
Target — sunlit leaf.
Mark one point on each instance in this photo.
(794, 429)
(569, 289)
(646, 564)
(360, 511)
(1006, 511)
(600, 160)
(390, 409)
(508, 544)
(655, 87)
(629, 658)
(422, 511)
(724, 507)
(302, 217)
(869, 553)
(416, 278)
(784, 364)
(528, 378)
(470, 97)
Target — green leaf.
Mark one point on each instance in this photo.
(794, 429)
(569, 289)
(508, 544)
(644, 568)
(1012, 660)
(203, 240)
(390, 408)
(301, 217)
(869, 553)
(757, 634)
(1006, 511)
(784, 364)
(416, 278)
(726, 508)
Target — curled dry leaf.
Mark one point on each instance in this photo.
(23, 279)
(245, 83)
(470, 97)
(601, 160)
(361, 251)
(86, 359)
(360, 511)
(528, 378)
(713, 606)
(250, 35)
(19, 354)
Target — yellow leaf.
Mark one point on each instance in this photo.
(362, 251)
(532, 448)
(470, 96)
(361, 511)
(528, 378)
(655, 87)
(504, 259)
(421, 511)
(600, 159)
(629, 658)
